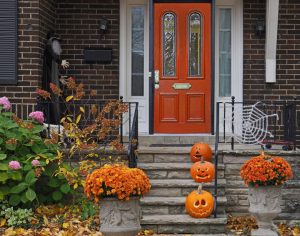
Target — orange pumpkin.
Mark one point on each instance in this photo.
(199, 203)
(200, 150)
(202, 171)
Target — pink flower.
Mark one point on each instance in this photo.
(35, 163)
(14, 165)
(38, 116)
(5, 103)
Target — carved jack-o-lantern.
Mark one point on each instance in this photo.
(200, 150)
(202, 171)
(199, 203)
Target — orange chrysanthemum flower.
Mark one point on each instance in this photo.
(116, 181)
(266, 170)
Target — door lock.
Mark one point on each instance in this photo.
(156, 79)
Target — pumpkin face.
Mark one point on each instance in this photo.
(200, 150)
(199, 205)
(202, 171)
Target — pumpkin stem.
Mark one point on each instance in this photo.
(199, 188)
(202, 159)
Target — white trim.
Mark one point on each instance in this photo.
(236, 7)
(272, 8)
(236, 50)
(125, 61)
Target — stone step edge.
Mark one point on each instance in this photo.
(169, 166)
(182, 219)
(171, 201)
(236, 152)
(190, 234)
(183, 183)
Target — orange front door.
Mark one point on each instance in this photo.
(182, 63)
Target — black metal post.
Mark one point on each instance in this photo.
(295, 121)
(276, 121)
(216, 158)
(137, 125)
(121, 125)
(129, 118)
(224, 121)
(48, 118)
(232, 121)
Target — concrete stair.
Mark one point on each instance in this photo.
(183, 224)
(172, 205)
(175, 140)
(163, 208)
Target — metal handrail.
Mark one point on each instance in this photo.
(133, 139)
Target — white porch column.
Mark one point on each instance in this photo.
(272, 8)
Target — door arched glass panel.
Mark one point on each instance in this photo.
(195, 45)
(169, 44)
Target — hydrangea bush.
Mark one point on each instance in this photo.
(27, 162)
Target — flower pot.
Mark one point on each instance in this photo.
(120, 218)
(265, 206)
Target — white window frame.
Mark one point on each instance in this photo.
(237, 47)
(125, 62)
(236, 7)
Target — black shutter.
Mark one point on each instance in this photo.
(8, 41)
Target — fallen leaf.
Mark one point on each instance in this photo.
(2, 222)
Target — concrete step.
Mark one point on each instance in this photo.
(172, 170)
(184, 224)
(172, 205)
(181, 187)
(176, 139)
(166, 155)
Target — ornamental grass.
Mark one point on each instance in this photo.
(117, 181)
(266, 170)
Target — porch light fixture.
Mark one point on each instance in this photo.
(260, 27)
(103, 25)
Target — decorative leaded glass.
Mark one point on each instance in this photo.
(169, 44)
(195, 44)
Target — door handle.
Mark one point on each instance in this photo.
(156, 79)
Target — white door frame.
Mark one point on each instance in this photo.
(236, 50)
(125, 61)
(237, 47)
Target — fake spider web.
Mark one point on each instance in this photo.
(253, 127)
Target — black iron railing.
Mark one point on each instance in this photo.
(265, 123)
(133, 137)
(54, 111)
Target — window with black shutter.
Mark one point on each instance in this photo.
(8, 41)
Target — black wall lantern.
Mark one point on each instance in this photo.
(103, 25)
(260, 27)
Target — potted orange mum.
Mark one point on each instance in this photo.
(118, 188)
(265, 176)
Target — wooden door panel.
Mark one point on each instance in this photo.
(182, 30)
(195, 104)
(168, 106)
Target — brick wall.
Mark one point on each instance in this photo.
(288, 53)
(78, 26)
(35, 18)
